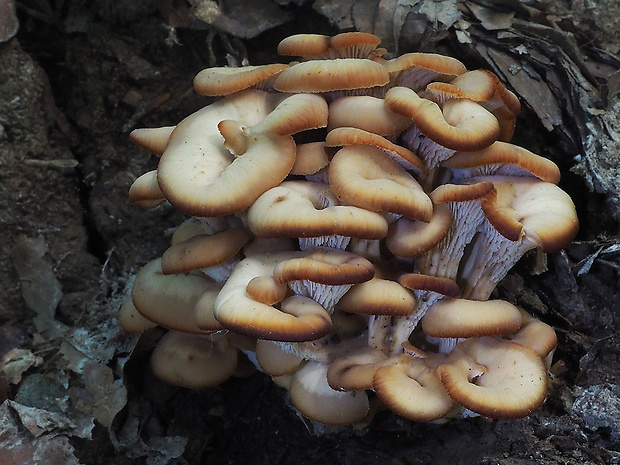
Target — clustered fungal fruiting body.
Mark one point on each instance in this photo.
(356, 261)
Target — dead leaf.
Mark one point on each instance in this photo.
(16, 362)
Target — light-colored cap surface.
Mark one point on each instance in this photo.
(367, 113)
(315, 399)
(494, 378)
(145, 191)
(224, 80)
(410, 239)
(330, 75)
(295, 209)
(545, 212)
(460, 318)
(168, 300)
(364, 176)
(354, 371)
(378, 297)
(297, 319)
(412, 389)
(193, 361)
(461, 125)
(204, 250)
(152, 139)
(201, 177)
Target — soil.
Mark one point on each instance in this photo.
(74, 81)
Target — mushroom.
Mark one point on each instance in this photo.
(225, 81)
(522, 214)
(298, 318)
(412, 389)
(367, 113)
(213, 254)
(193, 361)
(502, 159)
(310, 211)
(416, 70)
(196, 162)
(439, 131)
(168, 300)
(497, 379)
(365, 177)
(323, 274)
(145, 191)
(315, 399)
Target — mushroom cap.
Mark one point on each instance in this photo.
(204, 250)
(152, 139)
(274, 360)
(460, 192)
(412, 389)
(325, 266)
(416, 70)
(311, 157)
(545, 212)
(304, 45)
(502, 158)
(410, 239)
(330, 75)
(295, 209)
(423, 282)
(130, 319)
(168, 300)
(344, 45)
(494, 378)
(225, 80)
(365, 177)
(474, 85)
(354, 371)
(345, 136)
(145, 191)
(316, 400)
(459, 124)
(204, 308)
(538, 336)
(198, 174)
(265, 289)
(367, 113)
(193, 361)
(298, 319)
(378, 297)
(461, 318)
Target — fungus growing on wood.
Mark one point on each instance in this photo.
(421, 187)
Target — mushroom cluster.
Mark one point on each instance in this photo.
(349, 217)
